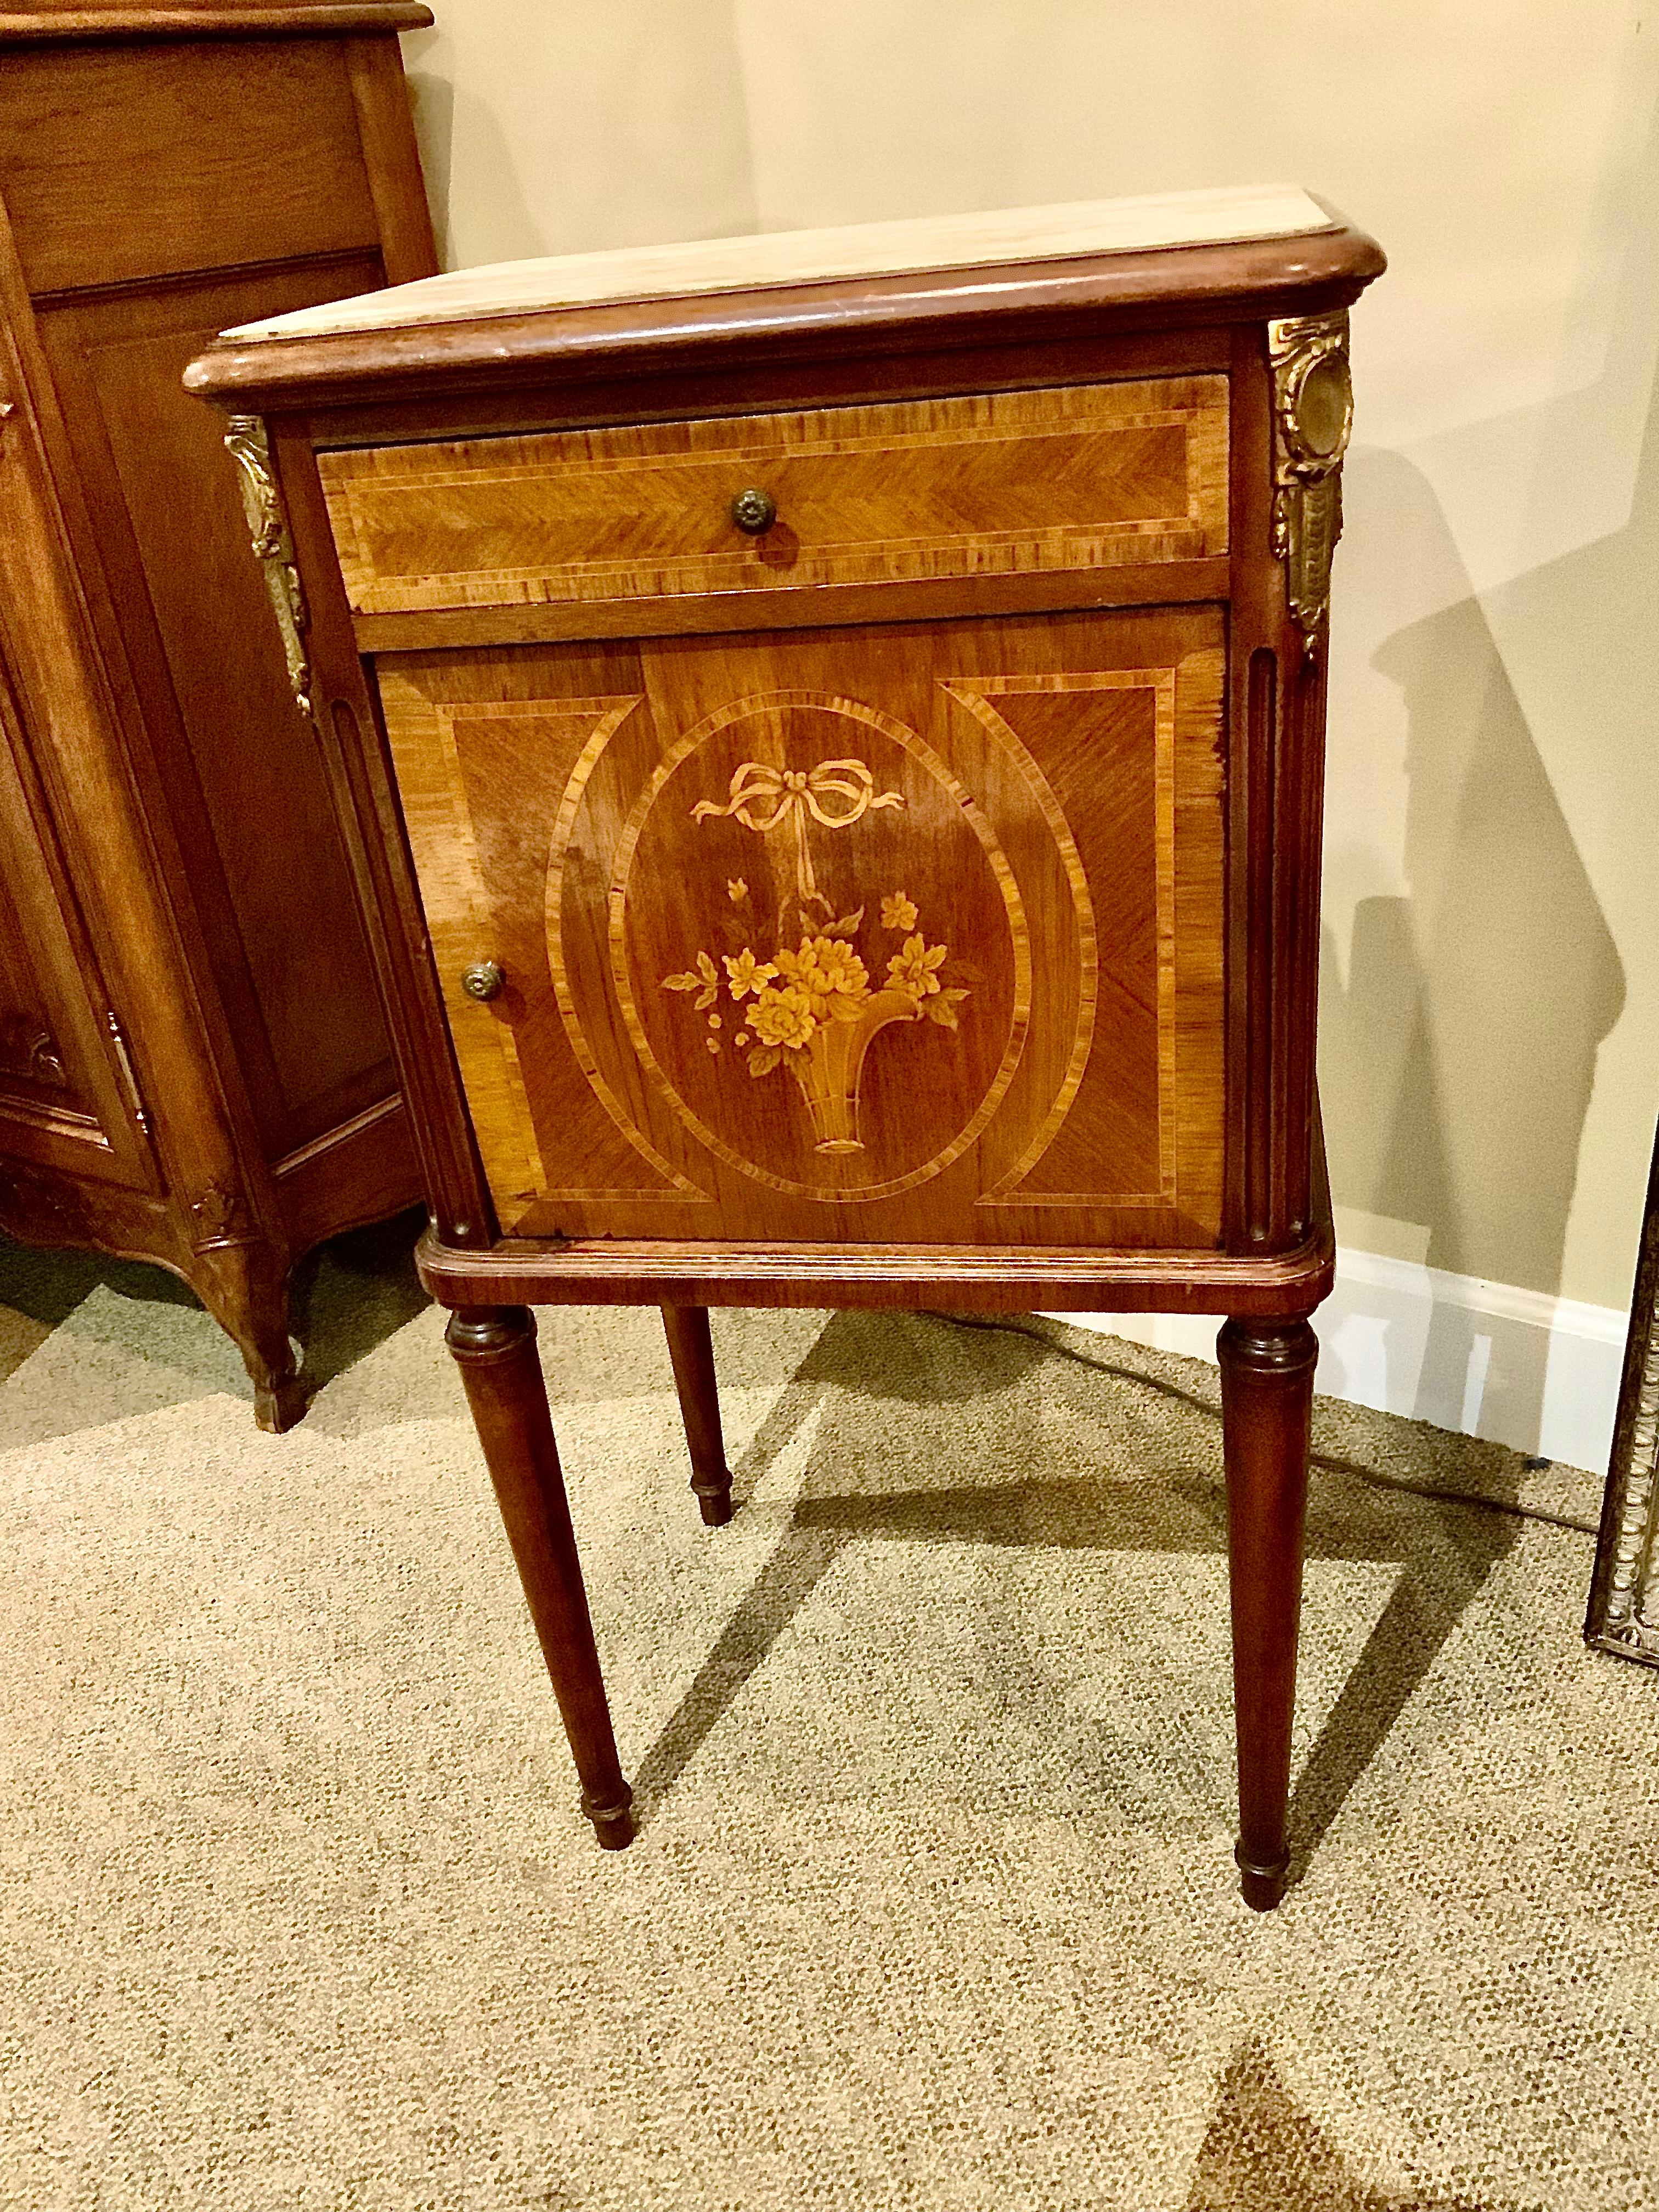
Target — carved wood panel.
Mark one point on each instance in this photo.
(144, 164)
(1021, 482)
(896, 933)
(233, 754)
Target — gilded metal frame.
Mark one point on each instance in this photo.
(249, 446)
(1313, 417)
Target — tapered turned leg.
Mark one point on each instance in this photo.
(1267, 1403)
(495, 1349)
(692, 1350)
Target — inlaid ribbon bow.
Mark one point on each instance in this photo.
(792, 795)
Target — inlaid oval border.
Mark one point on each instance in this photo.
(1020, 1020)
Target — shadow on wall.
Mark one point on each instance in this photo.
(1487, 993)
(1459, 1056)
(432, 102)
(1457, 1060)
(443, 120)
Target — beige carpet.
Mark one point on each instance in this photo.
(934, 1904)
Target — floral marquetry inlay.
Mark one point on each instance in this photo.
(789, 973)
(812, 1008)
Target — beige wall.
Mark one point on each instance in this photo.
(1491, 1049)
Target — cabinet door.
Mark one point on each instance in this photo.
(66, 1096)
(900, 933)
(861, 934)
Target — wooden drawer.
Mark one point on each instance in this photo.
(902, 932)
(1075, 478)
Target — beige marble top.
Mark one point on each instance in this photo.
(1078, 230)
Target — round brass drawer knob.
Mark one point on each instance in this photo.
(482, 980)
(754, 510)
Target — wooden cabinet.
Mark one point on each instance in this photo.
(831, 734)
(193, 1064)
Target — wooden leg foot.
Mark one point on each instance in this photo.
(1261, 1887)
(279, 1403)
(613, 1825)
(1267, 1399)
(245, 1287)
(691, 1349)
(495, 1347)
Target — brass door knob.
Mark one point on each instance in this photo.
(754, 510)
(482, 980)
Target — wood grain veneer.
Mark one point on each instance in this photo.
(565, 808)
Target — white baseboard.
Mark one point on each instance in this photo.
(1537, 1373)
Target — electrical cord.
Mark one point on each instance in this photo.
(1327, 1461)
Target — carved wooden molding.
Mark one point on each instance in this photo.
(30, 1053)
(249, 446)
(220, 1217)
(1313, 414)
